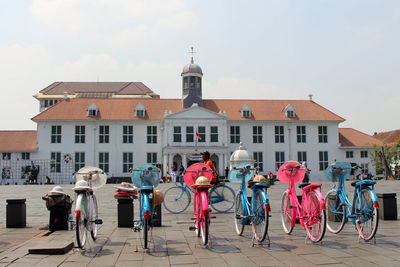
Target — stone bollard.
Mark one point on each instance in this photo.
(387, 206)
(16, 213)
(125, 212)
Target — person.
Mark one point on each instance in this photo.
(307, 174)
(207, 161)
(4, 176)
(174, 174)
(181, 171)
(226, 172)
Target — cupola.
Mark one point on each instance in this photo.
(192, 84)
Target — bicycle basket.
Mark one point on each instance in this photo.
(337, 171)
(146, 175)
(236, 176)
(291, 171)
(99, 178)
(195, 171)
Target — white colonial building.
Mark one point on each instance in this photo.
(116, 126)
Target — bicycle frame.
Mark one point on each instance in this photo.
(350, 210)
(299, 207)
(146, 211)
(247, 208)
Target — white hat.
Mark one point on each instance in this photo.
(81, 185)
(57, 190)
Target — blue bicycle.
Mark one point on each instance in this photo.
(255, 213)
(146, 178)
(177, 198)
(363, 213)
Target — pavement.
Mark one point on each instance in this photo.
(174, 245)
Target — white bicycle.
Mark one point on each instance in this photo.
(88, 179)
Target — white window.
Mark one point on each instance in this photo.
(214, 134)
(56, 134)
(25, 155)
(127, 134)
(151, 134)
(289, 111)
(152, 158)
(177, 134)
(6, 156)
(279, 159)
(301, 156)
(279, 134)
(235, 134)
(323, 160)
(301, 134)
(201, 130)
(349, 154)
(257, 135)
(127, 161)
(79, 134)
(92, 110)
(55, 162)
(79, 160)
(104, 161)
(189, 134)
(258, 161)
(246, 111)
(104, 134)
(322, 134)
(364, 154)
(140, 110)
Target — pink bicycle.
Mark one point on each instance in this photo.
(311, 210)
(198, 176)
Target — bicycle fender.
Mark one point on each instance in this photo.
(374, 197)
(78, 206)
(321, 198)
(204, 203)
(146, 204)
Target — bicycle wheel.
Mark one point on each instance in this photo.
(336, 212)
(222, 198)
(314, 217)
(145, 232)
(287, 213)
(367, 215)
(204, 227)
(260, 217)
(80, 230)
(239, 221)
(94, 217)
(176, 199)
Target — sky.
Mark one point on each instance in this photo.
(344, 52)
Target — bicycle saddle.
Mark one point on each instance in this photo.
(303, 185)
(354, 183)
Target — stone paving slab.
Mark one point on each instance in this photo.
(174, 245)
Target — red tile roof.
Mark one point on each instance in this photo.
(18, 141)
(352, 137)
(124, 109)
(119, 88)
(390, 137)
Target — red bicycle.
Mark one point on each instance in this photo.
(311, 210)
(198, 176)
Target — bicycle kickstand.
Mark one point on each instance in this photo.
(254, 242)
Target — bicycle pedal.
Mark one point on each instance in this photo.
(192, 228)
(292, 207)
(98, 221)
(193, 218)
(238, 217)
(212, 217)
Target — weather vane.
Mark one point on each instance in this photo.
(192, 52)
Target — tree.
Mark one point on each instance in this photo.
(386, 159)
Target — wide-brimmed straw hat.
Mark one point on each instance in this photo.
(126, 187)
(202, 181)
(57, 190)
(81, 185)
(260, 179)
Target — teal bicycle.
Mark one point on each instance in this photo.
(177, 198)
(256, 211)
(364, 211)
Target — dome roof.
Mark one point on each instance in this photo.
(241, 155)
(192, 68)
